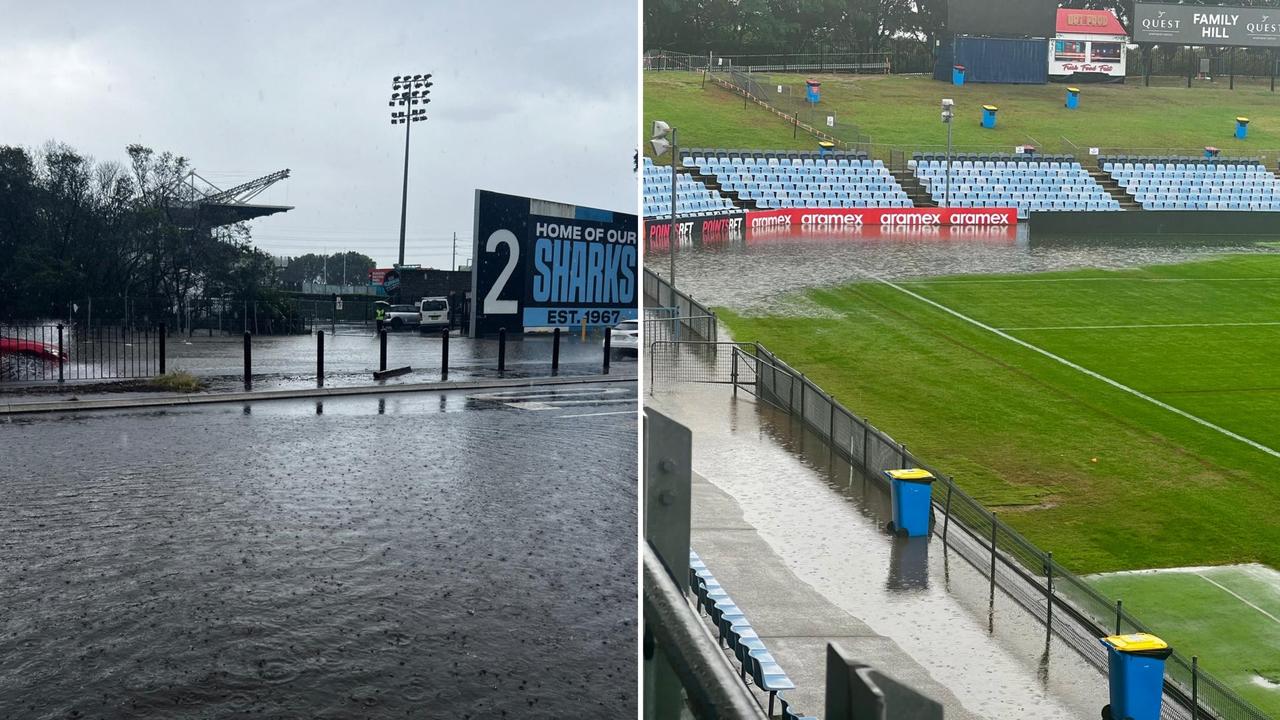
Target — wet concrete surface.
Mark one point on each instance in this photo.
(798, 629)
(825, 521)
(464, 554)
(761, 275)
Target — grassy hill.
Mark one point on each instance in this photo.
(901, 111)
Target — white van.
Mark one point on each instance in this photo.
(433, 313)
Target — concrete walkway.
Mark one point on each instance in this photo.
(794, 621)
(18, 406)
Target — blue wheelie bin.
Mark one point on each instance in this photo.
(1135, 675)
(911, 491)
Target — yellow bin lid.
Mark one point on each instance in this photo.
(911, 474)
(1242, 119)
(826, 144)
(1136, 642)
(1075, 90)
(992, 108)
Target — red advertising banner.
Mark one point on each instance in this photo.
(895, 217)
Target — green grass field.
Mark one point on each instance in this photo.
(902, 111)
(1230, 616)
(1107, 480)
(1173, 463)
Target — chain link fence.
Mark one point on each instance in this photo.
(695, 320)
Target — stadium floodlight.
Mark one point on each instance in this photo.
(948, 114)
(661, 131)
(408, 97)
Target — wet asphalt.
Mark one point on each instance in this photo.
(461, 554)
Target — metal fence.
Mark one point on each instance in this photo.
(56, 352)
(1067, 605)
(875, 63)
(695, 320)
(787, 101)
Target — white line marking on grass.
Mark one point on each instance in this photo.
(1139, 327)
(1079, 368)
(1238, 597)
(1128, 278)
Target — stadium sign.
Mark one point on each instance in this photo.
(1206, 25)
(539, 263)
(856, 217)
(702, 230)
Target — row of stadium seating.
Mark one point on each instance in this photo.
(734, 630)
(1016, 181)
(703, 163)
(1176, 159)
(990, 157)
(835, 181)
(990, 167)
(779, 154)
(692, 197)
(751, 166)
(1185, 183)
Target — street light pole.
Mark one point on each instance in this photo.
(410, 90)
(671, 236)
(661, 144)
(947, 115)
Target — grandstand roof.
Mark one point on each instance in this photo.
(1089, 22)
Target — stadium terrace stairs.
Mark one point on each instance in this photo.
(1113, 188)
(912, 186)
(713, 183)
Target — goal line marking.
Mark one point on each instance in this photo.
(1074, 366)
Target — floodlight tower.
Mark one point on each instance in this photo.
(661, 145)
(409, 91)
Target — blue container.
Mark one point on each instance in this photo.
(989, 116)
(911, 492)
(1073, 98)
(957, 74)
(1242, 127)
(1135, 674)
(812, 91)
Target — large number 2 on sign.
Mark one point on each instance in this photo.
(492, 305)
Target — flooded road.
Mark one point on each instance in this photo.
(754, 275)
(444, 554)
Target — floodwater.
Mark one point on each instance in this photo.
(466, 555)
(827, 522)
(760, 275)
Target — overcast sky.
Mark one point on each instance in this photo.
(531, 98)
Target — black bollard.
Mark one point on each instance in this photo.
(162, 334)
(61, 356)
(444, 354)
(382, 351)
(320, 358)
(248, 361)
(502, 349)
(555, 351)
(608, 340)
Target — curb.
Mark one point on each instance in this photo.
(8, 409)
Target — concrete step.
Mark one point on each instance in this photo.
(1114, 190)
